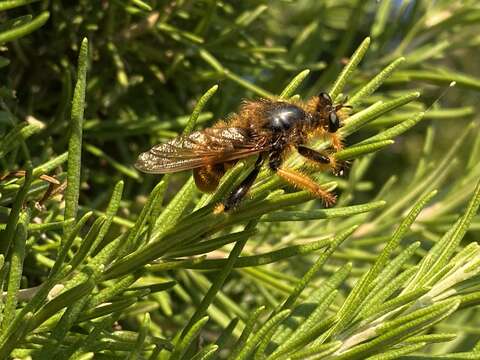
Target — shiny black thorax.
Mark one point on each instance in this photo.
(283, 117)
(288, 124)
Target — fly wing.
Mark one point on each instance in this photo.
(200, 148)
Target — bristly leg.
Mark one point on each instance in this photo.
(302, 181)
(241, 190)
(336, 141)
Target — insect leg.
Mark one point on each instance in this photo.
(241, 190)
(302, 181)
(335, 139)
(313, 155)
(321, 160)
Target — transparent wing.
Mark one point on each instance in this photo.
(200, 148)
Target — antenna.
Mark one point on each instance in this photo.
(451, 85)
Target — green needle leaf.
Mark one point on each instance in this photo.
(349, 69)
(351, 306)
(185, 341)
(265, 329)
(375, 83)
(266, 258)
(19, 134)
(356, 151)
(395, 130)
(15, 270)
(13, 218)
(10, 4)
(219, 281)
(72, 191)
(199, 108)
(289, 90)
(25, 29)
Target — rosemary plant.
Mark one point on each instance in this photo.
(100, 261)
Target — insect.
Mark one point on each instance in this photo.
(268, 129)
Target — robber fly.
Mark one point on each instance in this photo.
(268, 129)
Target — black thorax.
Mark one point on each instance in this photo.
(282, 117)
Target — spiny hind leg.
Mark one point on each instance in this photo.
(304, 182)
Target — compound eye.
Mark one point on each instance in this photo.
(333, 122)
(324, 96)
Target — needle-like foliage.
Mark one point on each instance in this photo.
(100, 261)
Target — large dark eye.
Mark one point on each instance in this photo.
(325, 97)
(333, 122)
